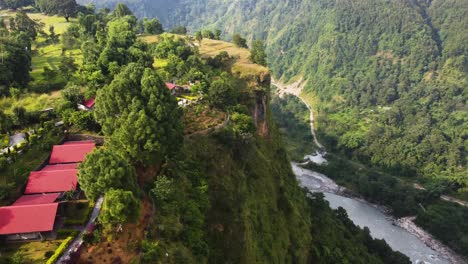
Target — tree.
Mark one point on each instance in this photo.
(152, 26)
(53, 37)
(15, 60)
(23, 23)
(217, 34)
(66, 8)
(208, 34)
(68, 67)
(257, 53)
(222, 92)
(139, 115)
(5, 122)
(181, 30)
(103, 170)
(239, 41)
(122, 10)
(72, 94)
(14, 4)
(119, 207)
(199, 37)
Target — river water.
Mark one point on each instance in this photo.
(364, 214)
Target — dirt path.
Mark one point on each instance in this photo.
(295, 89)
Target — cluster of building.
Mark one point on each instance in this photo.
(35, 212)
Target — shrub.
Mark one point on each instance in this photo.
(48, 254)
(59, 251)
(63, 233)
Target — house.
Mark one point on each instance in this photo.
(87, 105)
(171, 87)
(55, 181)
(177, 89)
(27, 221)
(37, 199)
(70, 153)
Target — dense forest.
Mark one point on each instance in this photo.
(390, 76)
(227, 195)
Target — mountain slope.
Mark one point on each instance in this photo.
(389, 76)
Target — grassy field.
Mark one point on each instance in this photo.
(31, 102)
(32, 252)
(48, 55)
(242, 67)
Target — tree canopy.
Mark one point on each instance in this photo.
(119, 207)
(139, 115)
(103, 170)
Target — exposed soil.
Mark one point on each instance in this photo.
(124, 248)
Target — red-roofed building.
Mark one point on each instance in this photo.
(52, 181)
(170, 86)
(28, 221)
(36, 199)
(59, 167)
(87, 105)
(70, 153)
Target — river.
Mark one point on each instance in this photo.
(364, 214)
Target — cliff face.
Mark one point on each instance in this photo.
(258, 213)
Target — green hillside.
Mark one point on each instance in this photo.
(390, 76)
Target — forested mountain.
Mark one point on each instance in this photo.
(389, 76)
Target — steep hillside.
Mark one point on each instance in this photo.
(389, 76)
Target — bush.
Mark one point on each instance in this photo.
(64, 233)
(59, 251)
(48, 254)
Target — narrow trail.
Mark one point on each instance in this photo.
(296, 90)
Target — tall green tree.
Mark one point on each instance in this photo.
(239, 41)
(119, 207)
(103, 170)
(122, 10)
(257, 53)
(152, 26)
(139, 115)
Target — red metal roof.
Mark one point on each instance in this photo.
(36, 199)
(51, 181)
(89, 103)
(69, 166)
(27, 218)
(78, 142)
(70, 153)
(170, 86)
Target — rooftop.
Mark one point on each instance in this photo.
(36, 199)
(27, 218)
(51, 181)
(70, 153)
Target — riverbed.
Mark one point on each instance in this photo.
(364, 214)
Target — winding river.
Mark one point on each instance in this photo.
(364, 214)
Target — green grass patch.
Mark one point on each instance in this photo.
(32, 252)
(31, 102)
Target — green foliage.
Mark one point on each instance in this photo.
(257, 53)
(447, 222)
(16, 60)
(152, 26)
(72, 94)
(239, 41)
(82, 120)
(60, 250)
(181, 30)
(65, 8)
(119, 207)
(243, 124)
(103, 170)
(223, 92)
(140, 117)
(163, 190)
(122, 10)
